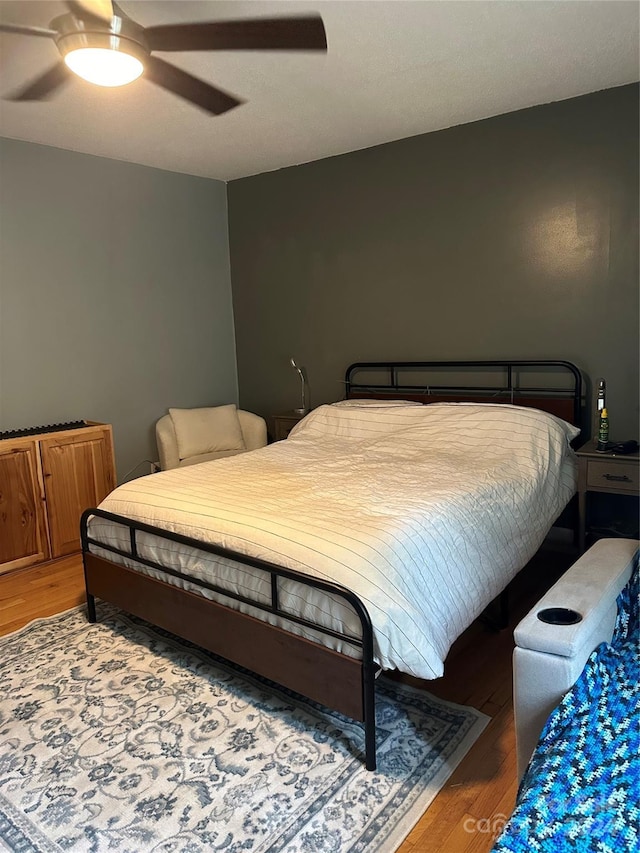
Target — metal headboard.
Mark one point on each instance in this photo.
(426, 382)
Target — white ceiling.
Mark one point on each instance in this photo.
(393, 69)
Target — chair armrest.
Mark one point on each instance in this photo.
(167, 443)
(548, 659)
(254, 429)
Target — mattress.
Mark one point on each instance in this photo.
(425, 512)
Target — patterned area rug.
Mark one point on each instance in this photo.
(118, 736)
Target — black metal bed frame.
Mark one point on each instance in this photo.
(509, 388)
(365, 643)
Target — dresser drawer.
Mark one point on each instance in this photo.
(283, 424)
(283, 428)
(621, 476)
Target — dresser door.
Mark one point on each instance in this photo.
(23, 532)
(78, 473)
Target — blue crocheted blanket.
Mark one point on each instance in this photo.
(581, 791)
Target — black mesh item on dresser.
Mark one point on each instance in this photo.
(24, 433)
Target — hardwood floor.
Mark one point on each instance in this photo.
(469, 812)
(41, 590)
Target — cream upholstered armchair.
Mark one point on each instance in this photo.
(189, 436)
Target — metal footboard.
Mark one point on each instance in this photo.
(97, 568)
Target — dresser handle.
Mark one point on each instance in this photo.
(619, 478)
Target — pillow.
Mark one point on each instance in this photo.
(208, 430)
(376, 404)
(509, 410)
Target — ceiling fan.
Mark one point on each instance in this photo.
(102, 44)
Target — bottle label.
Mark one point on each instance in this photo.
(603, 432)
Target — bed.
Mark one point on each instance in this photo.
(369, 539)
(577, 706)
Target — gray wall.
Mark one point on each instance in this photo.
(115, 297)
(514, 237)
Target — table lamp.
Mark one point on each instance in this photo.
(303, 385)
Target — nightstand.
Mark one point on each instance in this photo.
(284, 423)
(603, 472)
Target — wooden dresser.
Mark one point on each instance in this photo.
(47, 480)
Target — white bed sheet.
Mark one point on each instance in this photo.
(425, 512)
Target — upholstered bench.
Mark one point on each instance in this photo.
(550, 655)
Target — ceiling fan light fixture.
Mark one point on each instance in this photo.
(100, 43)
(104, 66)
(107, 54)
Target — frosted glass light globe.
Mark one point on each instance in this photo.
(104, 66)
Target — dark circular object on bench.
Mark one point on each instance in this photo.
(559, 616)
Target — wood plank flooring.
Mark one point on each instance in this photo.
(470, 810)
(42, 590)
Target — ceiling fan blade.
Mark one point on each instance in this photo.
(305, 33)
(28, 31)
(202, 94)
(45, 85)
(102, 9)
